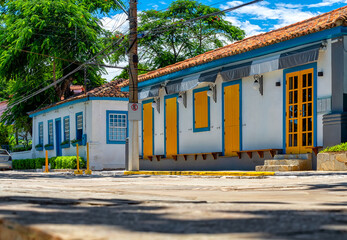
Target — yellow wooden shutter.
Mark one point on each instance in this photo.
(171, 126)
(201, 109)
(232, 119)
(147, 130)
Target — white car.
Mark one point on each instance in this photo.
(5, 160)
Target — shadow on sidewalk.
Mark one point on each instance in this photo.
(157, 217)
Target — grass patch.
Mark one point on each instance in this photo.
(342, 147)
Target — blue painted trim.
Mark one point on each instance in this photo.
(108, 112)
(41, 123)
(50, 121)
(204, 89)
(59, 106)
(178, 125)
(67, 117)
(39, 148)
(75, 102)
(296, 69)
(49, 148)
(57, 143)
(78, 114)
(226, 84)
(67, 145)
(144, 102)
(311, 38)
(109, 98)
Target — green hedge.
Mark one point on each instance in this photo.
(69, 162)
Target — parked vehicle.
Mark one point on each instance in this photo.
(5, 160)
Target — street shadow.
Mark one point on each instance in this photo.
(331, 187)
(157, 217)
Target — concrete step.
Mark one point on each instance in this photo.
(277, 168)
(303, 164)
(293, 156)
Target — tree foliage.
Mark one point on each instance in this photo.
(169, 45)
(43, 40)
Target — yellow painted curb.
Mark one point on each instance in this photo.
(201, 173)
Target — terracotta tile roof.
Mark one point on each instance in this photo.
(3, 106)
(76, 87)
(111, 89)
(319, 23)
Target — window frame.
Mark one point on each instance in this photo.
(49, 137)
(108, 112)
(68, 118)
(76, 117)
(39, 137)
(204, 129)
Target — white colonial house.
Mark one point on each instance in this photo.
(98, 117)
(281, 92)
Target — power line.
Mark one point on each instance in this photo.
(151, 31)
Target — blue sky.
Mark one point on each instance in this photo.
(264, 16)
(254, 19)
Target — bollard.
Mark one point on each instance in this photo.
(126, 153)
(88, 171)
(46, 165)
(78, 171)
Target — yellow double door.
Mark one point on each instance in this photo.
(171, 128)
(300, 111)
(232, 119)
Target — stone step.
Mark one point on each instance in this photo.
(304, 164)
(277, 168)
(293, 156)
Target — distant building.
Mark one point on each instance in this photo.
(98, 117)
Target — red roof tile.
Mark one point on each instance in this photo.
(111, 89)
(322, 22)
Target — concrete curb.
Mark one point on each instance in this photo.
(201, 173)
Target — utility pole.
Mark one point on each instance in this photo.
(133, 159)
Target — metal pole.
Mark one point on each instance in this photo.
(88, 171)
(133, 160)
(126, 153)
(46, 167)
(78, 171)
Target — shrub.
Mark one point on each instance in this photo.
(342, 147)
(68, 162)
(21, 148)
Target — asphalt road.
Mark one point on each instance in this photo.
(110, 205)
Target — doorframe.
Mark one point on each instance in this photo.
(145, 102)
(178, 125)
(297, 69)
(58, 146)
(226, 84)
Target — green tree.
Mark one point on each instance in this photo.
(167, 46)
(43, 40)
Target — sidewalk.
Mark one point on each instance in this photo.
(236, 173)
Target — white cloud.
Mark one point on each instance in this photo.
(162, 2)
(250, 29)
(326, 3)
(117, 22)
(283, 14)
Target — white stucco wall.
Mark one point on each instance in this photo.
(102, 155)
(262, 116)
(22, 155)
(324, 86)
